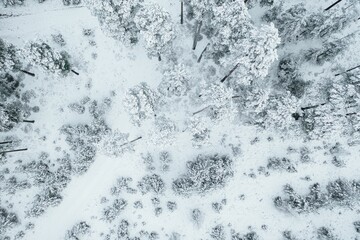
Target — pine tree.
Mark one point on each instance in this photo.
(42, 54)
(10, 115)
(175, 82)
(157, 30)
(116, 18)
(9, 58)
(141, 103)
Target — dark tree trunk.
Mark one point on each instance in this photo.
(349, 70)
(29, 121)
(196, 34)
(200, 110)
(202, 53)
(314, 106)
(28, 73)
(182, 13)
(15, 150)
(228, 75)
(159, 57)
(75, 72)
(6, 142)
(332, 5)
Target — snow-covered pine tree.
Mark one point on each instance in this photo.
(116, 143)
(164, 132)
(141, 102)
(42, 54)
(116, 18)
(10, 115)
(175, 82)
(9, 58)
(157, 30)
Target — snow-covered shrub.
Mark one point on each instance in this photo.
(141, 103)
(9, 58)
(200, 131)
(205, 173)
(8, 86)
(59, 39)
(73, 2)
(122, 184)
(82, 139)
(277, 163)
(197, 216)
(325, 233)
(77, 231)
(10, 115)
(42, 54)
(12, 2)
(151, 183)
(175, 81)
(157, 29)
(12, 185)
(288, 235)
(7, 220)
(112, 211)
(117, 18)
(218, 233)
(357, 226)
(48, 197)
(171, 205)
(165, 160)
(340, 192)
(248, 236)
(123, 230)
(76, 107)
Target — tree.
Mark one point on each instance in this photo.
(157, 30)
(164, 132)
(8, 86)
(42, 54)
(205, 173)
(116, 18)
(141, 103)
(10, 115)
(115, 143)
(251, 58)
(9, 58)
(151, 183)
(175, 82)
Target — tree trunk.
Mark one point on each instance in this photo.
(200, 110)
(232, 70)
(182, 13)
(196, 34)
(29, 121)
(130, 141)
(314, 106)
(15, 150)
(201, 55)
(6, 142)
(26, 72)
(75, 72)
(159, 57)
(332, 5)
(347, 70)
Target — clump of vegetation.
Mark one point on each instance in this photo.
(205, 173)
(77, 231)
(277, 163)
(340, 192)
(7, 220)
(151, 183)
(112, 211)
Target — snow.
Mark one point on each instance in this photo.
(116, 69)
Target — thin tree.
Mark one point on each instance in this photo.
(332, 5)
(74, 71)
(14, 150)
(232, 70)
(196, 33)
(132, 141)
(203, 51)
(182, 12)
(28, 121)
(28, 73)
(314, 106)
(349, 70)
(6, 142)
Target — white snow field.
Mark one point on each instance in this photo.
(281, 119)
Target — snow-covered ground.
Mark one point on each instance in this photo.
(108, 69)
